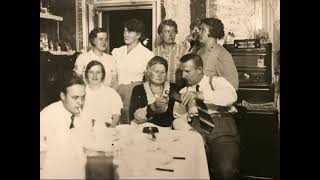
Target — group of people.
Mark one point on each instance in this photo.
(133, 85)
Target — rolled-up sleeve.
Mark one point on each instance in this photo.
(222, 93)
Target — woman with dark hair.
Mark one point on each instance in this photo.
(150, 101)
(132, 59)
(217, 61)
(98, 110)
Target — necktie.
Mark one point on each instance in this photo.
(71, 124)
(199, 102)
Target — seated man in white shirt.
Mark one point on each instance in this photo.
(213, 94)
(98, 39)
(61, 154)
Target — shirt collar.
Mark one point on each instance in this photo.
(95, 55)
(162, 49)
(200, 83)
(139, 46)
(65, 111)
(150, 96)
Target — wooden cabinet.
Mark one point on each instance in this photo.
(260, 144)
(258, 128)
(255, 73)
(58, 25)
(53, 71)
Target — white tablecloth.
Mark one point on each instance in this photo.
(139, 156)
(136, 156)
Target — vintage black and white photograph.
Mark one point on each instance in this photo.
(160, 89)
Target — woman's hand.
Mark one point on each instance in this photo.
(160, 105)
(140, 116)
(115, 120)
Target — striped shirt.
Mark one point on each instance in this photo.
(172, 56)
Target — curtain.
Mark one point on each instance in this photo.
(179, 11)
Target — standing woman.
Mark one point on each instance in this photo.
(217, 61)
(132, 60)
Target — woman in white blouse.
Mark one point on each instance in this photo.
(103, 104)
(132, 60)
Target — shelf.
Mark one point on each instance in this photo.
(251, 67)
(254, 86)
(51, 16)
(248, 51)
(60, 53)
(249, 54)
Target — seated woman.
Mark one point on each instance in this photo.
(103, 104)
(151, 101)
(101, 112)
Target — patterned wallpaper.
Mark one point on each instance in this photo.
(245, 17)
(239, 16)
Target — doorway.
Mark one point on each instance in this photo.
(114, 21)
(112, 15)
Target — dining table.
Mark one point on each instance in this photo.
(136, 154)
(133, 152)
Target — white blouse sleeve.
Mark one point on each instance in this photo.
(222, 94)
(79, 66)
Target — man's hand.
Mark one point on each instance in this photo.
(189, 96)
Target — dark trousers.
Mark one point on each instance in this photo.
(222, 148)
(223, 158)
(99, 167)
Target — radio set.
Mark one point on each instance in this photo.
(257, 123)
(247, 43)
(254, 68)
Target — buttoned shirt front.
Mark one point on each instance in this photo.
(172, 55)
(132, 65)
(107, 60)
(217, 92)
(64, 157)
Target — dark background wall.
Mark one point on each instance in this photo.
(67, 9)
(117, 20)
(67, 27)
(197, 9)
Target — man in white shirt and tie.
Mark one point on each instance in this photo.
(61, 151)
(216, 94)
